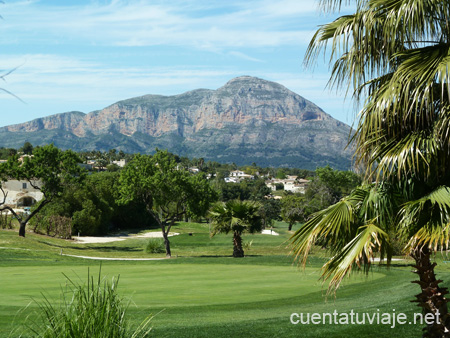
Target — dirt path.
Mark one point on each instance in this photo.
(116, 259)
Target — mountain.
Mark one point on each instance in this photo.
(247, 120)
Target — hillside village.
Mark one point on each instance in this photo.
(291, 183)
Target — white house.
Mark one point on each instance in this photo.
(121, 163)
(240, 174)
(237, 173)
(232, 179)
(292, 185)
(21, 193)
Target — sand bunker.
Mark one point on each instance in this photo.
(88, 239)
(269, 232)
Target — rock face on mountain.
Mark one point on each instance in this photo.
(247, 120)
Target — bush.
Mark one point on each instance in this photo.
(155, 245)
(94, 310)
(5, 220)
(87, 221)
(52, 225)
(247, 245)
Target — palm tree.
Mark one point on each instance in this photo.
(238, 217)
(394, 55)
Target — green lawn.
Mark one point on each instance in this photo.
(204, 292)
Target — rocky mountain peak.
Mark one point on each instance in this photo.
(252, 86)
(250, 113)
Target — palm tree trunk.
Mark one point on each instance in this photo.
(432, 297)
(237, 245)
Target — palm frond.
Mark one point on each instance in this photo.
(426, 220)
(434, 236)
(333, 226)
(235, 215)
(411, 153)
(381, 205)
(357, 253)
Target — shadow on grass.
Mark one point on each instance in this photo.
(51, 244)
(91, 247)
(222, 256)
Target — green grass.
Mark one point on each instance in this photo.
(204, 292)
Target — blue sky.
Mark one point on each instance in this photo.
(85, 55)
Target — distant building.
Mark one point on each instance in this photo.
(121, 163)
(290, 184)
(21, 193)
(240, 174)
(232, 179)
(237, 173)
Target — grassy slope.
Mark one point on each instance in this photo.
(204, 292)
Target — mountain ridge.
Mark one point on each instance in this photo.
(246, 118)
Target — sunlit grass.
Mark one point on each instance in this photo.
(204, 292)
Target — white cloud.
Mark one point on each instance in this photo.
(60, 77)
(244, 56)
(144, 23)
(284, 8)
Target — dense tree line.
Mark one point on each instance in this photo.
(93, 208)
(95, 203)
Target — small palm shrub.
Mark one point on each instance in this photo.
(94, 310)
(155, 245)
(247, 245)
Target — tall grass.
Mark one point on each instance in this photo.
(155, 245)
(92, 310)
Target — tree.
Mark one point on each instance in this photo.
(270, 211)
(167, 192)
(293, 209)
(328, 186)
(237, 217)
(339, 182)
(394, 55)
(27, 148)
(281, 174)
(231, 191)
(112, 167)
(49, 170)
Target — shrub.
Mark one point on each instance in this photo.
(155, 245)
(94, 310)
(88, 220)
(53, 225)
(5, 220)
(247, 245)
